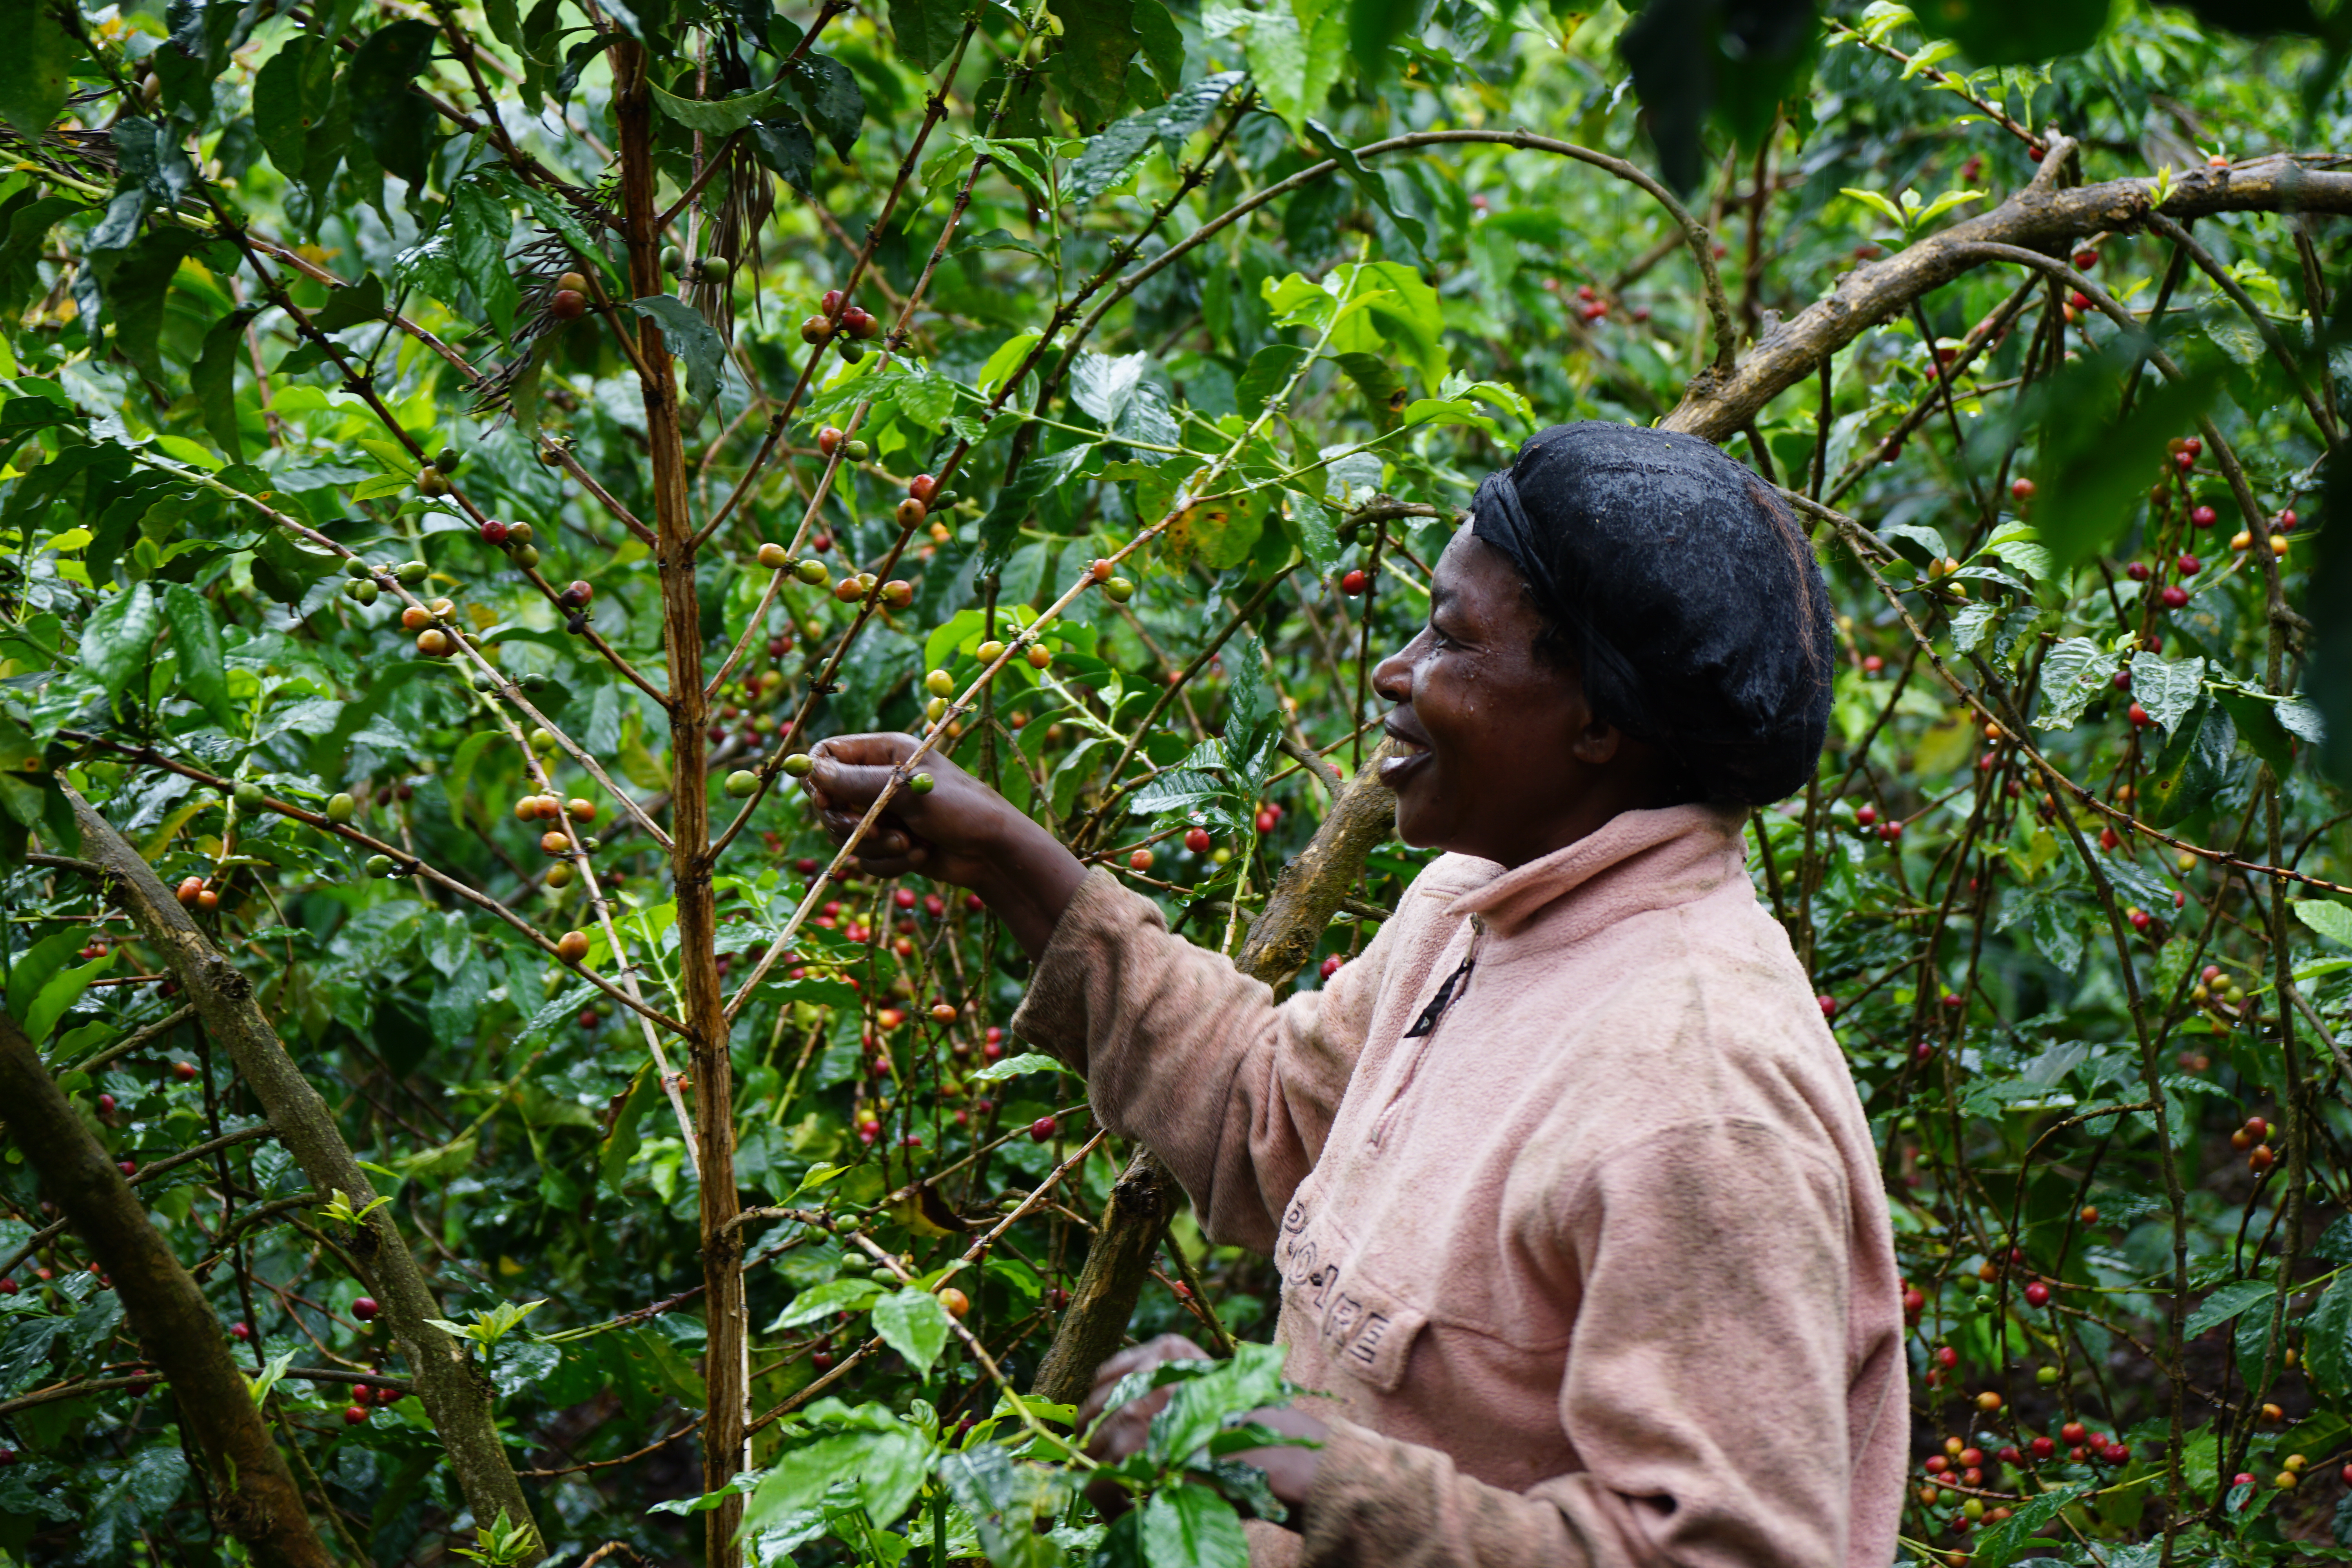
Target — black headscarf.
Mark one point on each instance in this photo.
(1685, 593)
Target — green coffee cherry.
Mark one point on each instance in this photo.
(851, 351)
(342, 807)
(858, 451)
(519, 533)
(379, 865)
(412, 572)
(361, 589)
(813, 572)
(940, 683)
(355, 567)
(742, 784)
(799, 764)
(1118, 590)
(715, 269)
(525, 556)
(935, 709)
(535, 682)
(672, 258)
(921, 784)
(543, 739)
(249, 795)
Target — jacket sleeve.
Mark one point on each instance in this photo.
(1198, 1061)
(1709, 1399)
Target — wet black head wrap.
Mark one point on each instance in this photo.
(1683, 592)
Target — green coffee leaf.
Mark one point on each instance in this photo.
(2327, 1338)
(2329, 919)
(195, 638)
(395, 122)
(926, 30)
(718, 116)
(1098, 39)
(915, 1324)
(120, 634)
(2167, 688)
(1295, 69)
(2074, 674)
(1188, 1526)
(826, 1300)
(1013, 1067)
(32, 72)
(2225, 1304)
(690, 338)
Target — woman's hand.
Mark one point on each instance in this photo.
(961, 831)
(1290, 1472)
(1125, 1433)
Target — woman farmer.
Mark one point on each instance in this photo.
(1578, 1218)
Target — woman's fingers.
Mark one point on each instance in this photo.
(838, 786)
(882, 748)
(1135, 1358)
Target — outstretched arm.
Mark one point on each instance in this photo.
(960, 831)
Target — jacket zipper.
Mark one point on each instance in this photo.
(1449, 994)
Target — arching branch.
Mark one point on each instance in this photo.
(2048, 221)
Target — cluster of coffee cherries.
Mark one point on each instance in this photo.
(855, 325)
(2253, 1140)
(2217, 991)
(569, 300)
(1592, 305)
(710, 272)
(364, 583)
(432, 479)
(1948, 1479)
(514, 538)
(1867, 821)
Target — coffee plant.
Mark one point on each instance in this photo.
(458, 457)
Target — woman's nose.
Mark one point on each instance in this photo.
(1392, 677)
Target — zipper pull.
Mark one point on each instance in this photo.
(1451, 989)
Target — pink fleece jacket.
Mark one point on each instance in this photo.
(1595, 1270)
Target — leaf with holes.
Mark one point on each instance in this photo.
(2074, 674)
(2167, 688)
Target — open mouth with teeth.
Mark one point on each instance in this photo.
(1405, 754)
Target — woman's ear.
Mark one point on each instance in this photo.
(1596, 741)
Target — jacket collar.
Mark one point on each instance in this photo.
(1640, 860)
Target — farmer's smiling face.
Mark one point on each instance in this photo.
(1498, 754)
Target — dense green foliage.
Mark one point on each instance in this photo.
(261, 266)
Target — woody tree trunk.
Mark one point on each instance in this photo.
(253, 1492)
(711, 1070)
